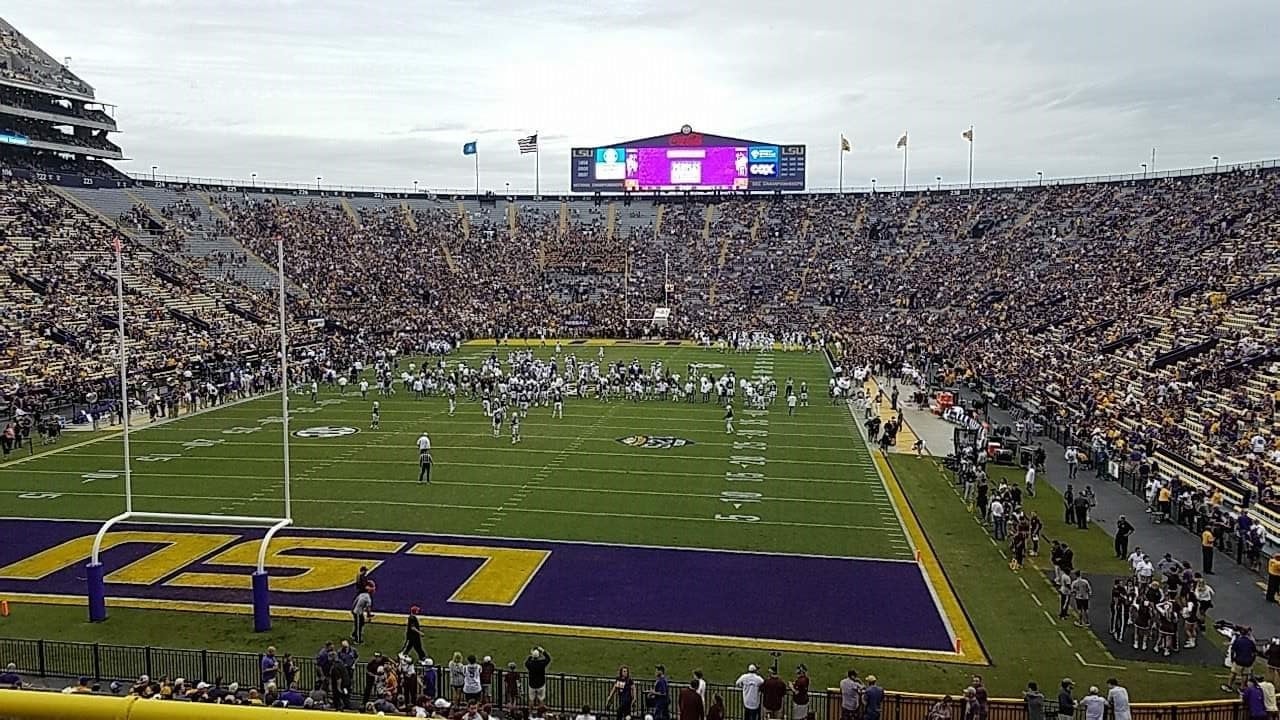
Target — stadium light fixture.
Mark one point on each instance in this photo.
(318, 179)
(415, 187)
(1144, 171)
(1039, 177)
(253, 179)
(1215, 163)
(873, 186)
(939, 179)
(153, 173)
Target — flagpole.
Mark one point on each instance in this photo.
(477, 154)
(971, 157)
(904, 165)
(842, 168)
(537, 165)
(124, 375)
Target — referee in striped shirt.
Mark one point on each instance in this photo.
(424, 458)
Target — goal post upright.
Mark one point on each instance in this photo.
(95, 571)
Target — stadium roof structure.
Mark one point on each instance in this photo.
(24, 64)
(686, 136)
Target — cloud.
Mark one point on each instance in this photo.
(386, 94)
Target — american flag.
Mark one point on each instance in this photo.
(528, 144)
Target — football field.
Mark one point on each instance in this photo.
(632, 520)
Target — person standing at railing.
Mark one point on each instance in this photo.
(749, 683)
(850, 696)
(1118, 700)
(536, 665)
(1066, 703)
(1093, 703)
(689, 703)
(873, 699)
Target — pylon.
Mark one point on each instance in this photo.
(4, 608)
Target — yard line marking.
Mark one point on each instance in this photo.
(1052, 621)
(1089, 664)
(1037, 599)
(589, 453)
(875, 490)
(1168, 672)
(1064, 638)
(1024, 583)
(535, 511)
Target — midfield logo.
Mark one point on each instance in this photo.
(326, 431)
(654, 442)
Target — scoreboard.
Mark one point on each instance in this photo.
(687, 161)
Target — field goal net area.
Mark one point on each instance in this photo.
(661, 318)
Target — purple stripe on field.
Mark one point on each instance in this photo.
(795, 598)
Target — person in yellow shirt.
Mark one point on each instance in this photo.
(1164, 502)
(1206, 551)
(1273, 577)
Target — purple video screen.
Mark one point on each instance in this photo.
(698, 167)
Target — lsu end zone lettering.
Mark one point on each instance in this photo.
(862, 606)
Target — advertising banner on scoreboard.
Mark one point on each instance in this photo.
(687, 160)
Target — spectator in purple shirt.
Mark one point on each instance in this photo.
(270, 666)
(10, 676)
(1251, 696)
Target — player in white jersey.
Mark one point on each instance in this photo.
(453, 398)
(364, 389)
(728, 419)
(424, 458)
(557, 406)
(515, 428)
(488, 407)
(376, 416)
(497, 421)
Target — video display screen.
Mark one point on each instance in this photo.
(688, 167)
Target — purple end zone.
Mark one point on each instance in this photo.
(778, 597)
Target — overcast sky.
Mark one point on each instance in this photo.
(386, 92)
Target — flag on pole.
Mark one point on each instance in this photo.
(469, 148)
(902, 141)
(968, 134)
(844, 144)
(528, 144)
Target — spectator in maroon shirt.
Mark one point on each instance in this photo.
(772, 693)
(690, 702)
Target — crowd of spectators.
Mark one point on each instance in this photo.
(22, 61)
(1141, 313)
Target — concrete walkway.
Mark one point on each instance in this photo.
(1238, 592)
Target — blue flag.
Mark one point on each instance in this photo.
(469, 148)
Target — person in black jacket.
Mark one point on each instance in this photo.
(1066, 703)
(1124, 529)
(536, 664)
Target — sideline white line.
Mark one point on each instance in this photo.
(132, 431)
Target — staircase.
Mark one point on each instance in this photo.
(611, 221)
(657, 220)
(350, 211)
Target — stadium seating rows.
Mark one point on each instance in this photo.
(1138, 311)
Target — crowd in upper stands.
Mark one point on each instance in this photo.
(22, 61)
(1138, 313)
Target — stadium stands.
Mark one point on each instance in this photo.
(1143, 312)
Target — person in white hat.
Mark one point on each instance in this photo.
(749, 683)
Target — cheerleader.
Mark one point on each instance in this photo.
(1142, 622)
(1120, 605)
(1167, 626)
(1191, 621)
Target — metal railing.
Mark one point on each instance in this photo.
(564, 693)
(321, 189)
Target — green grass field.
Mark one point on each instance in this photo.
(571, 479)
